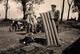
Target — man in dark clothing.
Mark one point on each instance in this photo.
(55, 15)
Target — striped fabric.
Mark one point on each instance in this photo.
(50, 30)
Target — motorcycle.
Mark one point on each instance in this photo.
(16, 26)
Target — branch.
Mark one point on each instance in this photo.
(69, 2)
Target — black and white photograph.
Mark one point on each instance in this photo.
(39, 26)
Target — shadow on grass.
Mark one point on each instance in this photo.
(73, 49)
(20, 50)
(15, 50)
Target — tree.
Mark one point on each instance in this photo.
(62, 10)
(69, 4)
(77, 3)
(23, 2)
(6, 10)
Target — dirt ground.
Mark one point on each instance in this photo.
(67, 36)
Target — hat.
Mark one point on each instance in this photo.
(53, 6)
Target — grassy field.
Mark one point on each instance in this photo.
(8, 40)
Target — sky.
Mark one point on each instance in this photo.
(15, 9)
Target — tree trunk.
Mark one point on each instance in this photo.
(68, 12)
(24, 10)
(6, 10)
(79, 16)
(78, 13)
(62, 10)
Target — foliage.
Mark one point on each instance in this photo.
(77, 3)
(23, 2)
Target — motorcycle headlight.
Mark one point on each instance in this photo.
(24, 42)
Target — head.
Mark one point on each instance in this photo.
(53, 7)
